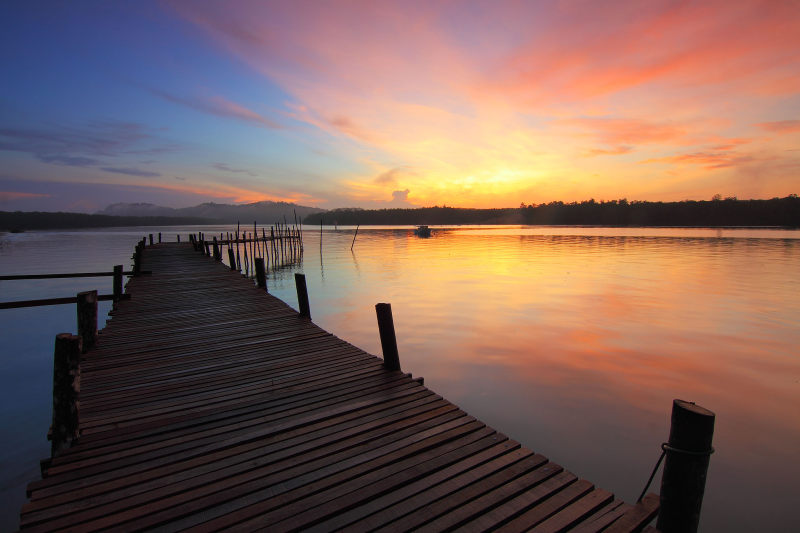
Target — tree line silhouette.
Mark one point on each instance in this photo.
(33, 220)
(715, 212)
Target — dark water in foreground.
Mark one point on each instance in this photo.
(573, 341)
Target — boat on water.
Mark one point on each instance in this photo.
(422, 231)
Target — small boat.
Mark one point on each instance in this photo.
(422, 231)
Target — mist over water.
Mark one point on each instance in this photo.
(572, 341)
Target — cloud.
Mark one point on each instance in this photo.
(9, 196)
(708, 160)
(627, 132)
(82, 146)
(73, 161)
(617, 150)
(218, 106)
(391, 176)
(781, 126)
(400, 197)
(227, 168)
(132, 172)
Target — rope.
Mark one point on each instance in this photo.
(665, 447)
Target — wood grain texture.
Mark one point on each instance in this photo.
(207, 404)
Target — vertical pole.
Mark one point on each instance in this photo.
(302, 295)
(66, 385)
(179, 237)
(261, 275)
(684, 479)
(87, 319)
(117, 282)
(391, 359)
(137, 259)
(354, 237)
(151, 239)
(159, 237)
(231, 258)
(217, 252)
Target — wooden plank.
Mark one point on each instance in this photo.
(207, 404)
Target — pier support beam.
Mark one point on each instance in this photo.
(684, 479)
(391, 359)
(302, 296)
(87, 319)
(66, 385)
(231, 258)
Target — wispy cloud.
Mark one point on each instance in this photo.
(8, 196)
(82, 146)
(132, 172)
(218, 106)
(227, 168)
(781, 126)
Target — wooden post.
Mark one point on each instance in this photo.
(261, 274)
(87, 319)
(231, 258)
(159, 237)
(217, 251)
(302, 296)
(151, 239)
(179, 237)
(66, 385)
(391, 359)
(354, 237)
(684, 479)
(117, 282)
(207, 251)
(137, 260)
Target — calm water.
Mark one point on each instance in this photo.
(573, 341)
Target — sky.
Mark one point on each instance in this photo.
(396, 104)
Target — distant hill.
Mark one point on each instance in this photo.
(262, 212)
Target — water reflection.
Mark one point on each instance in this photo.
(573, 341)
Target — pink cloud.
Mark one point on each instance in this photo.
(781, 126)
(8, 196)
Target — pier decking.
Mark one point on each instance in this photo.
(208, 404)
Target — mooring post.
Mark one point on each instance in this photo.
(684, 479)
(179, 237)
(117, 282)
(207, 249)
(151, 239)
(137, 259)
(66, 385)
(261, 273)
(87, 319)
(217, 251)
(302, 295)
(159, 237)
(231, 258)
(391, 359)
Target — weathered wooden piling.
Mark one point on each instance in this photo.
(687, 456)
(159, 237)
(151, 239)
(391, 359)
(231, 258)
(87, 319)
(261, 274)
(302, 296)
(66, 386)
(217, 250)
(117, 282)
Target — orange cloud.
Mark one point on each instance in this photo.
(8, 196)
(489, 103)
(781, 126)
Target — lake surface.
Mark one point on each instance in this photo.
(571, 340)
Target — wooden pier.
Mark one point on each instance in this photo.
(208, 404)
